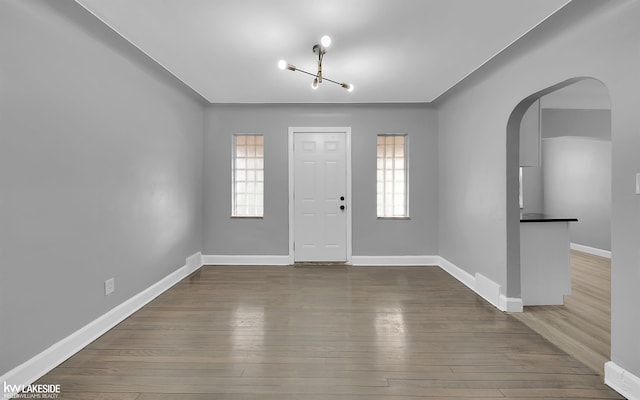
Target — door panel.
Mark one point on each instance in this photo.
(320, 226)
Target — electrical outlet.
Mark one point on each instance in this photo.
(109, 286)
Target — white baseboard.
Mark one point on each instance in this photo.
(286, 260)
(622, 381)
(194, 262)
(510, 304)
(463, 276)
(407, 261)
(245, 260)
(488, 289)
(483, 286)
(33, 369)
(591, 250)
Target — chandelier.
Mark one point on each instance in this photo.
(320, 50)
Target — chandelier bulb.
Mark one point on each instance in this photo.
(325, 41)
(282, 64)
(314, 84)
(347, 86)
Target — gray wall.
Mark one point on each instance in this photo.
(570, 122)
(100, 173)
(478, 179)
(577, 171)
(574, 179)
(577, 183)
(371, 236)
(532, 190)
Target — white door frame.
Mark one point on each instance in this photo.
(292, 131)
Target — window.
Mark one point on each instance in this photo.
(392, 176)
(248, 176)
(521, 197)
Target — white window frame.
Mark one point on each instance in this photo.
(406, 176)
(255, 180)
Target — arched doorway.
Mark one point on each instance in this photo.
(572, 177)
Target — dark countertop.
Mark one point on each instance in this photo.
(535, 217)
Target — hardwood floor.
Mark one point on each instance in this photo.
(316, 333)
(582, 326)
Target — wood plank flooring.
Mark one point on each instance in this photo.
(582, 326)
(330, 333)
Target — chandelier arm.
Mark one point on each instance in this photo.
(305, 72)
(331, 80)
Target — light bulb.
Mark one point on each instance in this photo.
(282, 64)
(347, 86)
(325, 41)
(314, 84)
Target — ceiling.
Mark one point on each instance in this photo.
(390, 50)
(587, 94)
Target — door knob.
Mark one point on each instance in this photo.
(342, 207)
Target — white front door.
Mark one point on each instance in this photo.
(320, 196)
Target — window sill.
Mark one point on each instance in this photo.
(246, 217)
(397, 218)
